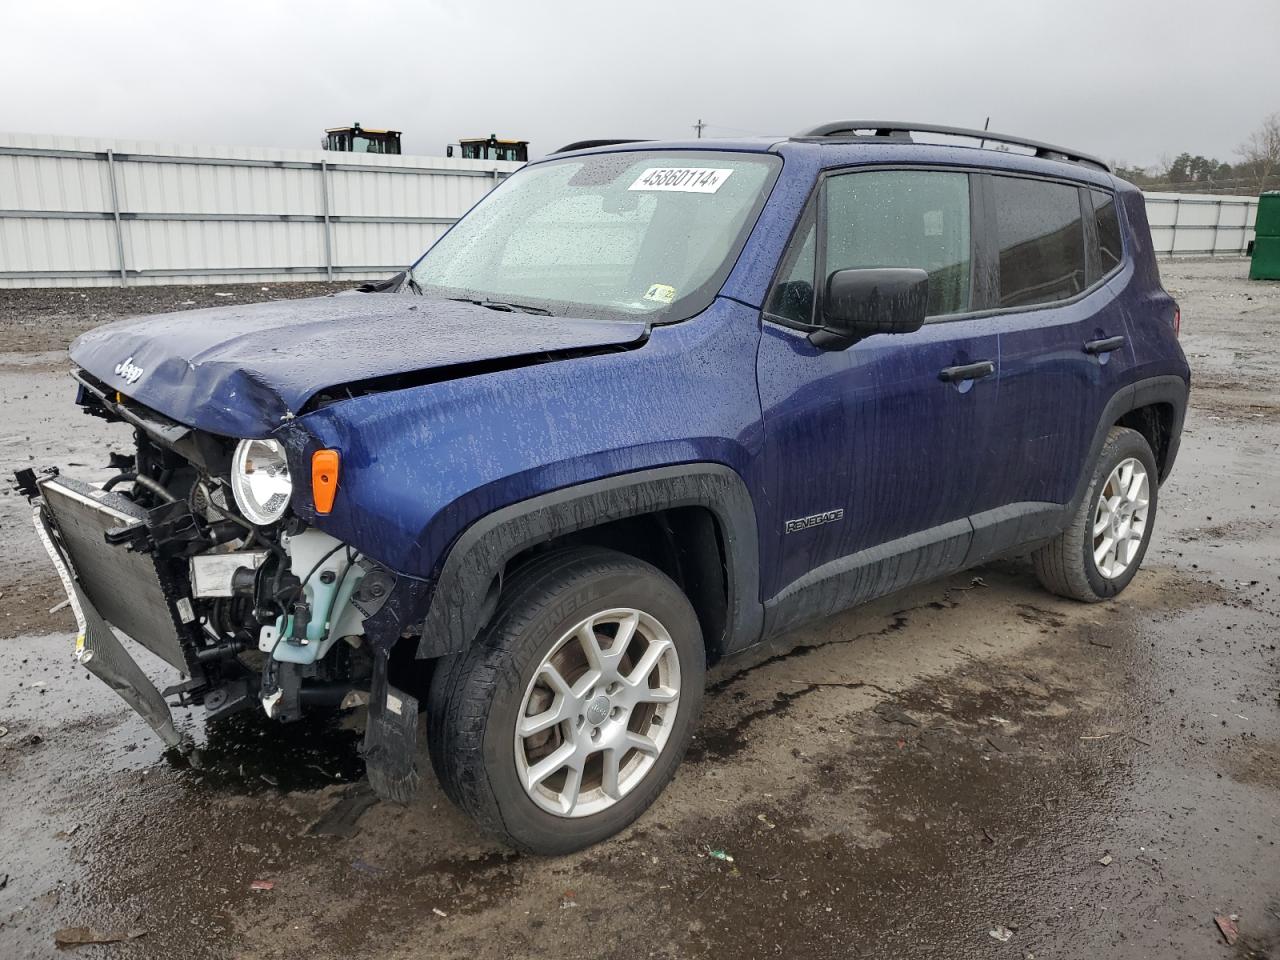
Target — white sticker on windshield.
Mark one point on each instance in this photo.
(682, 179)
(660, 293)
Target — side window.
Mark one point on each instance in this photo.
(1107, 228)
(903, 218)
(1040, 235)
(792, 296)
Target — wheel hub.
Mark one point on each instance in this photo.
(598, 710)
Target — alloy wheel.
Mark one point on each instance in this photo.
(1120, 518)
(597, 713)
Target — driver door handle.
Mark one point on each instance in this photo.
(968, 371)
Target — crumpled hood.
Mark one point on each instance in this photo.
(240, 370)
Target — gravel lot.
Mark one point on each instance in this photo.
(919, 778)
(41, 319)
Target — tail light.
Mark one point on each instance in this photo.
(1177, 320)
(324, 479)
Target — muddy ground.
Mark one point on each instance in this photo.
(967, 759)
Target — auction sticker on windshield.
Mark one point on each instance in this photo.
(682, 179)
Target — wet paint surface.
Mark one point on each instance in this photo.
(239, 370)
(894, 782)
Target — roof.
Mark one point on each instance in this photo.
(361, 129)
(827, 152)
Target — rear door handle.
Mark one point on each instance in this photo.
(1106, 345)
(968, 371)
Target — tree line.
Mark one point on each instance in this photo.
(1257, 169)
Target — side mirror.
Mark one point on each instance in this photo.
(860, 303)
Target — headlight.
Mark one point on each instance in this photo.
(260, 481)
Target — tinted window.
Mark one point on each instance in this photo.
(1041, 238)
(903, 218)
(792, 296)
(1110, 251)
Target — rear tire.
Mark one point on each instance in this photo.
(602, 654)
(1100, 552)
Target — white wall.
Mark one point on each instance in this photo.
(186, 214)
(1197, 223)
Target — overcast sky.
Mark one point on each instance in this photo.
(1127, 80)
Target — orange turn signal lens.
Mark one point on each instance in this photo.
(324, 479)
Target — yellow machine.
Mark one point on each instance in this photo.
(356, 139)
(492, 148)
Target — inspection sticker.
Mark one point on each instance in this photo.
(682, 179)
(660, 292)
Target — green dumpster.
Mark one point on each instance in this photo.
(1266, 245)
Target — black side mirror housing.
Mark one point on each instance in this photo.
(863, 302)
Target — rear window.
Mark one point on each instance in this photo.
(1040, 235)
(1107, 227)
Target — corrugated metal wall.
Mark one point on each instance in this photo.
(78, 212)
(1186, 224)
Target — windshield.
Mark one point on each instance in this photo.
(649, 234)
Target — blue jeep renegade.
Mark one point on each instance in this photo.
(645, 405)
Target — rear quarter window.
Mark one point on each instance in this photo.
(1040, 236)
(1106, 223)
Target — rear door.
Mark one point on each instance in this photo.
(1063, 350)
(869, 452)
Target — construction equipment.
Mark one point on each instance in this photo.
(356, 139)
(492, 148)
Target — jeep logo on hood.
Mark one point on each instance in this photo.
(127, 369)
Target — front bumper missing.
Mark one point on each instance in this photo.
(114, 589)
(100, 651)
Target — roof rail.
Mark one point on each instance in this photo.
(588, 144)
(902, 130)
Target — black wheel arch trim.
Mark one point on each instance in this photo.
(458, 607)
(1172, 390)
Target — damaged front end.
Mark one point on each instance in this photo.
(277, 613)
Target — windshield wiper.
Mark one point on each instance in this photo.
(503, 306)
(412, 284)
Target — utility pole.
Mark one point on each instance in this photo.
(698, 126)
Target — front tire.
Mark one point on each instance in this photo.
(572, 710)
(1100, 552)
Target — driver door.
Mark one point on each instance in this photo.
(871, 455)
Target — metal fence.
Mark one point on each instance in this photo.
(83, 212)
(78, 212)
(1198, 225)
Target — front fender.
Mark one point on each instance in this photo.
(421, 464)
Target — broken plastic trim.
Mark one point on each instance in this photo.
(391, 737)
(203, 450)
